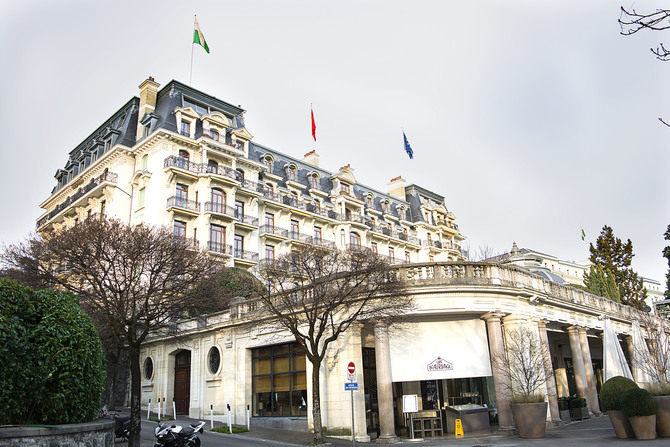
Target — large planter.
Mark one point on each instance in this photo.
(663, 416)
(530, 419)
(621, 424)
(565, 416)
(644, 426)
(580, 413)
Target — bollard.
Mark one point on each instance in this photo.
(149, 410)
(230, 421)
(248, 418)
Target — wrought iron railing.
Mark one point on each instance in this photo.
(178, 202)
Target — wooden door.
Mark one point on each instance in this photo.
(182, 382)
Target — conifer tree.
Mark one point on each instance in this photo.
(602, 283)
(616, 257)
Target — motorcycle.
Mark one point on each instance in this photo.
(122, 427)
(170, 435)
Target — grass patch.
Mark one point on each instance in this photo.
(224, 429)
(166, 418)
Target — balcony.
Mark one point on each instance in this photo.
(431, 243)
(246, 220)
(180, 204)
(271, 230)
(220, 209)
(222, 171)
(245, 256)
(219, 248)
(105, 177)
(181, 163)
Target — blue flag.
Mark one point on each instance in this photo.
(408, 148)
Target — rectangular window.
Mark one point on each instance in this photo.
(239, 209)
(373, 246)
(214, 134)
(317, 235)
(270, 220)
(181, 195)
(239, 246)
(269, 252)
(141, 198)
(185, 128)
(295, 229)
(147, 129)
(217, 238)
(145, 162)
(279, 381)
(391, 253)
(407, 257)
(179, 229)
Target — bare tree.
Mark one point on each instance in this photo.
(631, 22)
(317, 294)
(137, 280)
(654, 358)
(524, 360)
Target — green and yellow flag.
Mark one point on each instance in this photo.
(198, 37)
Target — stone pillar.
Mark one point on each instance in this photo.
(384, 386)
(552, 395)
(631, 355)
(578, 364)
(590, 376)
(500, 374)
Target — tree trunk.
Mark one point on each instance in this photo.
(316, 401)
(113, 366)
(135, 396)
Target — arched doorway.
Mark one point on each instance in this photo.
(182, 382)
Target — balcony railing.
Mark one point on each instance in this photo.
(244, 218)
(106, 176)
(219, 247)
(272, 229)
(181, 163)
(219, 208)
(178, 202)
(245, 255)
(431, 243)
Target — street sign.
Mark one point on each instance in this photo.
(351, 386)
(351, 368)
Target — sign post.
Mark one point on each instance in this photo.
(410, 404)
(351, 375)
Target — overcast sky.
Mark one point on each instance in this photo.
(533, 119)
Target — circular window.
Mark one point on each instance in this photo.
(214, 360)
(148, 368)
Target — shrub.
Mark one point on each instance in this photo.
(638, 402)
(611, 392)
(563, 405)
(51, 361)
(577, 403)
(224, 429)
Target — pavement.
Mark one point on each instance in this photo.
(595, 432)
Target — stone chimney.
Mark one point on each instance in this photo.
(148, 94)
(311, 158)
(397, 188)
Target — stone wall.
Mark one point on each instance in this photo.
(91, 434)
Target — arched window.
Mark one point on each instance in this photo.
(401, 212)
(369, 200)
(387, 206)
(182, 159)
(292, 172)
(343, 238)
(314, 180)
(268, 161)
(355, 240)
(218, 200)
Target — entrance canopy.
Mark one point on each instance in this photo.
(434, 350)
(614, 361)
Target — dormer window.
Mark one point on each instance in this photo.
(346, 188)
(314, 180)
(186, 128)
(147, 129)
(268, 161)
(292, 172)
(401, 212)
(369, 200)
(387, 206)
(214, 134)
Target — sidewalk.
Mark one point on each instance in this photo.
(596, 432)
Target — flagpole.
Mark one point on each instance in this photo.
(190, 78)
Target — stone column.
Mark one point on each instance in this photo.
(590, 376)
(631, 356)
(384, 386)
(578, 364)
(552, 395)
(500, 374)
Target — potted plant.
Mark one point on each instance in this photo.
(610, 394)
(640, 407)
(525, 363)
(661, 392)
(564, 410)
(579, 409)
